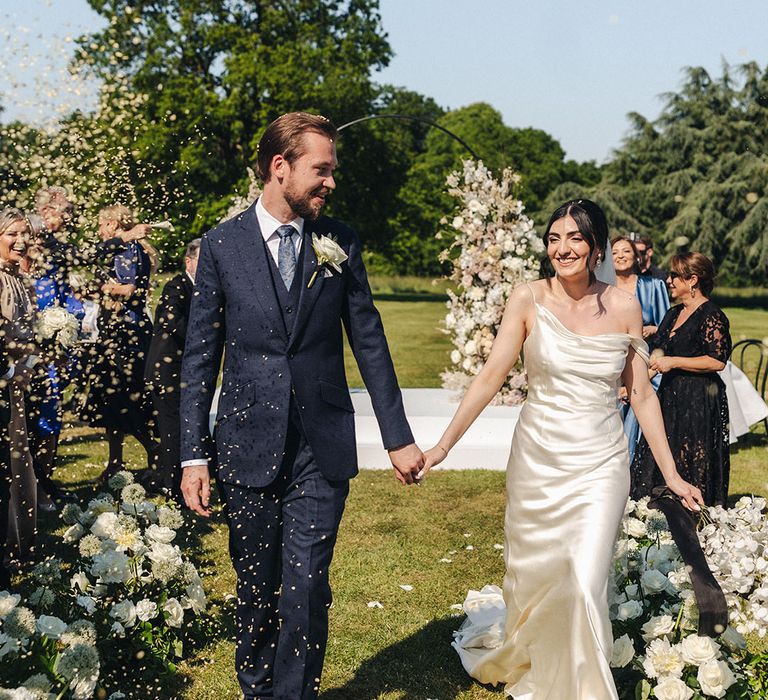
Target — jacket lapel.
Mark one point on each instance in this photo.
(309, 295)
(253, 254)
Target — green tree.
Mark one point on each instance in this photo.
(422, 201)
(216, 72)
(699, 173)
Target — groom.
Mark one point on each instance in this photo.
(284, 439)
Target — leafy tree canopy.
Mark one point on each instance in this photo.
(697, 177)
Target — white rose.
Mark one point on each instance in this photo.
(672, 689)
(112, 567)
(715, 677)
(73, 533)
(653, 581)
(124, 612)
(8, 601)
(457, 222)
(328, 251)
(164, 554)
(175, 612)
(662, 660)
(163, 535)
(88, 603)
(657, 627)
(623, 652)
(455, 357)
(117, 629)
(146, 610)
(196, 597)
(470, 348)
(105, 525)
(733, 640)
(697, 650)
(629, 610)
(80, 580)
(634, 527)
(52, 627)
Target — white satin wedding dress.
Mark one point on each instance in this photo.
(547, 635)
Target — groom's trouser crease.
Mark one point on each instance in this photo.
(281, 542)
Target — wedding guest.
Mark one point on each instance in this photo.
(644, 247)
(44, 396)
(691, 346)
(163, 371)
(61, 256)
(6, 372)
(17, 309)
(654, 303)
(117, 399)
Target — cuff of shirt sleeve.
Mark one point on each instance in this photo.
(9, 374)
(194, 463)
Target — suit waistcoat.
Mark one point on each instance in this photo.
(288, 299)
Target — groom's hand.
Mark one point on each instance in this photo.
(196, 487)
(407, 461)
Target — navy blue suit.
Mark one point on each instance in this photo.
(284, 439)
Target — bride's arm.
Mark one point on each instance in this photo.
(505, 352)
(645, 404)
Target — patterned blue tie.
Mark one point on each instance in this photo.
(286, 254)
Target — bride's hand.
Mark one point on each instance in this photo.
(690, 494)
(432, 457)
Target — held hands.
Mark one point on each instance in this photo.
(690, 495)
(196, 487)
(407, 462)
(432, 458)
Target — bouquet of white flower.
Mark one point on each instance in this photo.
(126, 581)
(657, 651)
(56, 329)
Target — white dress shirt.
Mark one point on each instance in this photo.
(268, 225)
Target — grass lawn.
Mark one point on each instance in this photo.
(390, 536)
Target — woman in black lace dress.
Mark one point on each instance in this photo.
(691, 346)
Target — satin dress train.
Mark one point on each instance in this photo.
(547, 635)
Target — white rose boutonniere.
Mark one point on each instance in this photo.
(329, 254)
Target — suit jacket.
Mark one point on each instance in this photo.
(235, 310)
(169, 333)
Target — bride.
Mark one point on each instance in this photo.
(568, 472)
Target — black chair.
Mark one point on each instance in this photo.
(753, 352)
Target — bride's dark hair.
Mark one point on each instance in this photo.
(590, 219)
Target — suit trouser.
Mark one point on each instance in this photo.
(167, 405)
(281, 542)
(5, 497)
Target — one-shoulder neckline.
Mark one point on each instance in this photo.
(554, 317)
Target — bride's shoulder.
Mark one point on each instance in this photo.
(617, 300)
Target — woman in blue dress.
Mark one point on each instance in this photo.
(117, 397)
(43, 400)
(654, 302)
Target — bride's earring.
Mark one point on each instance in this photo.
(692, 292)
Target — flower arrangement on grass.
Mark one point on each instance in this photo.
(657, 651)
(126, 581)
(493, 249)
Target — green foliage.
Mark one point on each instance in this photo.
(699, 172)
(214, 73)
(422, 200)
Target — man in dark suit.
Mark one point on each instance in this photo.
(284, 438)
(644, 247)
(163, 372)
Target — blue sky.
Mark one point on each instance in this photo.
(574, 69)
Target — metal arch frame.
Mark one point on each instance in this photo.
(404, 117)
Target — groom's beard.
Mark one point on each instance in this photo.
(303, 206)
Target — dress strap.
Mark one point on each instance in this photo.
(530, 289)
(641, 348)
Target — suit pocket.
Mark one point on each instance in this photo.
(336, 396)
(235, 401)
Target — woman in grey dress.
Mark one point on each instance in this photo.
(16, 324)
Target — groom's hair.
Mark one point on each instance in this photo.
(285, 137)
